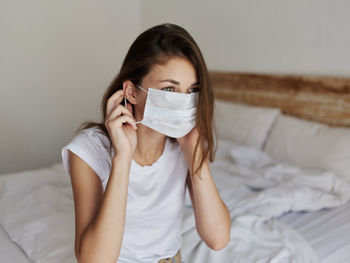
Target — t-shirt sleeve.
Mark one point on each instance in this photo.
(85, 146)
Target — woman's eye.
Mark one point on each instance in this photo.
(168, 88)
(193, 90)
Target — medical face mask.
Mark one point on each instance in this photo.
(170, 113)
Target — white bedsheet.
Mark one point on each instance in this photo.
(256, 236)
(327, 231)
(10, 251)
(37, 212)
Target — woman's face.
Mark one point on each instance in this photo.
(176, 75)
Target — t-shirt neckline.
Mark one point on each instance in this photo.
(157, 162)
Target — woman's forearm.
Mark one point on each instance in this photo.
(102, 240)
(213, 221)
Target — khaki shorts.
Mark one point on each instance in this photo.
(174, 259)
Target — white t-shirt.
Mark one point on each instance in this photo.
(156, 196)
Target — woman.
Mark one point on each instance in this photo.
(129, 173)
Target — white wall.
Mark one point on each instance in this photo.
(56, 60)
(266, 36)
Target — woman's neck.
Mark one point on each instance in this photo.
(150, 146)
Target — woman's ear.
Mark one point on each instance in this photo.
(129, 91)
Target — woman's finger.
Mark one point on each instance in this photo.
(114, 100)
(125, 119)
(117, 111)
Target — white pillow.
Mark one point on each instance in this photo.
(310, 145)
(244, 124)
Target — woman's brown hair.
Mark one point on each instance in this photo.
(155, 46)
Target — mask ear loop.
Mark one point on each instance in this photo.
(141, 88)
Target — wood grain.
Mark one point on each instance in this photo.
(316, 98)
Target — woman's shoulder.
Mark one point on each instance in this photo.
(90, 144)
(94, 135)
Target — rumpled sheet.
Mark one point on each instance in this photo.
(37, 210)
(257, 190)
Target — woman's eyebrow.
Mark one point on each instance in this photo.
(178, 83)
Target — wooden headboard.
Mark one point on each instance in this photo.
(317, 98)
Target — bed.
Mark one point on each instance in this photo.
(282, 168)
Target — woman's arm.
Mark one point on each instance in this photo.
(213, 221)
(101, 239)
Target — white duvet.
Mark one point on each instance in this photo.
(37, 211)
(257, 190)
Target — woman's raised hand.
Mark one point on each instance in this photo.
(123, 136)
